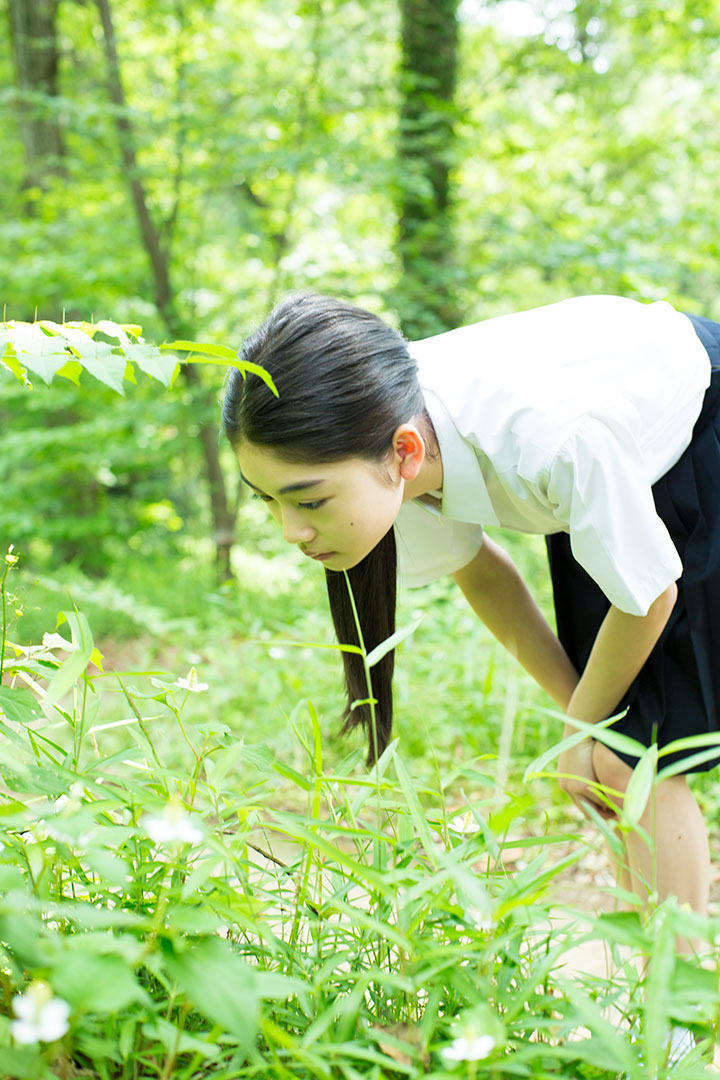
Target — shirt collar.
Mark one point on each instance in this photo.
(465, 495)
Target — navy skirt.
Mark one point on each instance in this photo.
(677, 692)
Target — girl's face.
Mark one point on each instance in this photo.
(335, 512)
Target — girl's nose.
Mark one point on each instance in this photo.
(296, 531)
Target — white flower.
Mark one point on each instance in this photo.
(41, 1017)
(191, 683)
(276, 652)
(464, 823)
(71, 801)
(469, 1049)
(482, 920)
(173, 826)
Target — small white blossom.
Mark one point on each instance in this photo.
(191, 683)
(276, 652)
(41, 1017)
(173, 826)
(38, 832)
(464, 823)
(482, 920)
(469, 1048)
(73, 800)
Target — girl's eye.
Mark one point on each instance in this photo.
(262, 498)
(312, 505)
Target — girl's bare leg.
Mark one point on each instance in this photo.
(680, 864)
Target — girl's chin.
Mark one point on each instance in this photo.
(340, 562)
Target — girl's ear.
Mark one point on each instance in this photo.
(409, 449)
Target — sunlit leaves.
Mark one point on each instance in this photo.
(48, 349)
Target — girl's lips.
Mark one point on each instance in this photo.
(321, 556)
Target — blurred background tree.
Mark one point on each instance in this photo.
(181, 165)
(426, 295)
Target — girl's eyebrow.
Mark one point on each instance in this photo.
(302, 485)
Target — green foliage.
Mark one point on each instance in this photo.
(81, 486)
(50, 349)
(584, 160)
(156, 880)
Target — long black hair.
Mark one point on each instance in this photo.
(346, 382)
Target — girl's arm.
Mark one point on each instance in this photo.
(498, 594)
(621, 647)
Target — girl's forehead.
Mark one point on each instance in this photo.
(264, 468)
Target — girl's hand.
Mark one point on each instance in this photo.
(576, 773)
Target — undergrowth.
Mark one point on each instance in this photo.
(208, 907)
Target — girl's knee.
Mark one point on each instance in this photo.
(612, 772)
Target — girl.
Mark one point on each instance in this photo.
(594, 421)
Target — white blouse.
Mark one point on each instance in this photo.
(559, 419)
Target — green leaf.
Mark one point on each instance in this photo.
(24, 936)
(291, 774)
(201, 352)
(151, 360)
(73, 667)
(640, 785)
(111, 329)
(9, 359)
(614, 739)
(40, 352)
(310, 645)
(121, 331)
(254, 369)
(220, 986)
(72, 371)
(176, 1041)
(273, 986)
(19, 705)
(221, 352)
(416, 812)
(24, 1063)
(112, 869)
(621, 927)
(104, 363)
(204, 868)
(389, 643)
(11, 877)
(99, 984)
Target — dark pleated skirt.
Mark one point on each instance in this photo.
(677, 693)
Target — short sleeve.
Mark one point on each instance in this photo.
(430, 546)
(601, 493)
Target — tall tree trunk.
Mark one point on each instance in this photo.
(223, 514)
(33, 35)
(429, 35)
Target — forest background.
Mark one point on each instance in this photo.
(182, 165)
